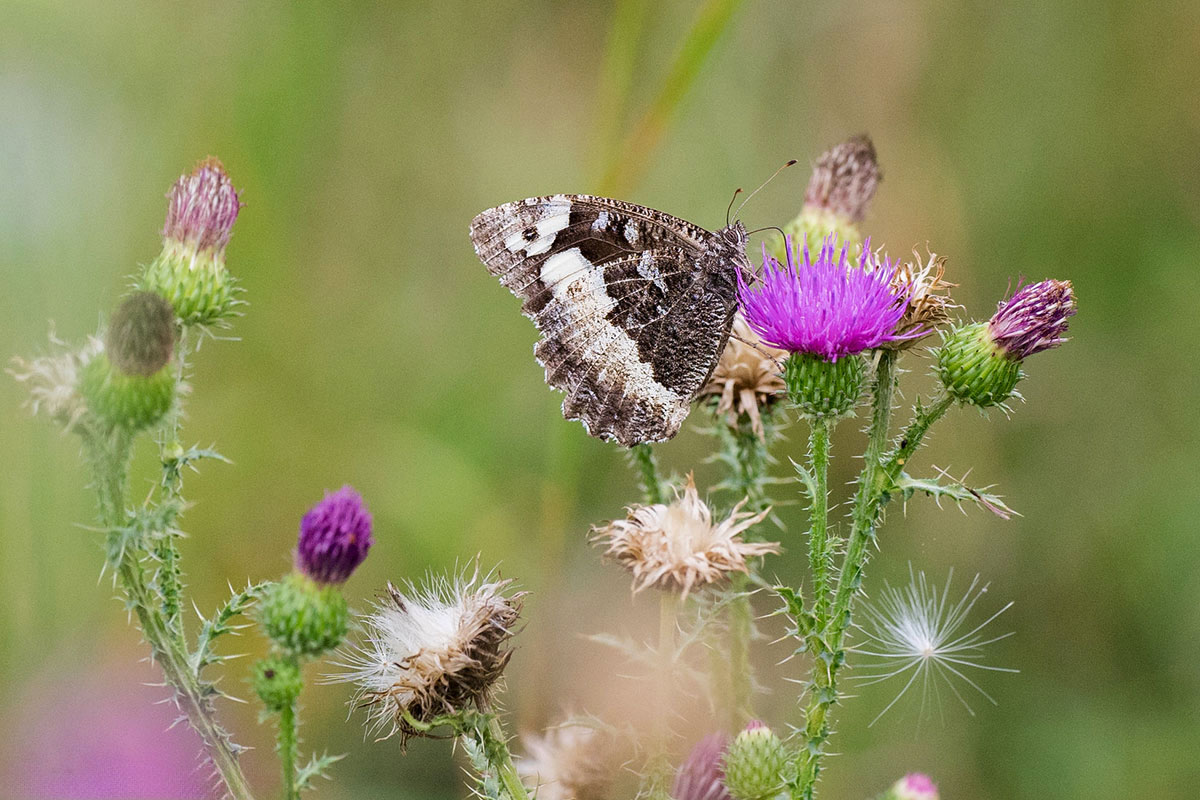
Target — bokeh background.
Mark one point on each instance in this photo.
(1020, 139)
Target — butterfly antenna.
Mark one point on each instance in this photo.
(767, 228)
(760, 188)
(730, 208)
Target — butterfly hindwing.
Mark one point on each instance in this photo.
(632, 305)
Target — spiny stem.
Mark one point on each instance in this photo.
(862, 531)
(492, 740)
(819, 555)
(288, 746)
(647, 466)
(111, 465)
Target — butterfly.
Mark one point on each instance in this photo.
(634, 305)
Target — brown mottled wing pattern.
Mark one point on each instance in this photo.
(632, 311)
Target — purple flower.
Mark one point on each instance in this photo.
(1033, 319)
(914, 786)
(334, 537)
(701, 777)
(826, 306)
(203, 207)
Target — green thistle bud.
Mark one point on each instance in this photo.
(975, 369)
(277, 682)
(303, 617)
(839, 192)
(823, 389)
(190, 271)
(754, 763)
(129, 384)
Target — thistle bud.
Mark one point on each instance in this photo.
(128, 384)
(823, 389)
(754, 763)
(981, 363)
(277, 682)
(335, 535)
(914, 786)
(843, 182)
(190, 271)
(700, 777)
(303, 617)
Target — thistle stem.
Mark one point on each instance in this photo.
(862, 531)
(289, 749)
(492, 740)
(819, 555)
(111, 466)
(647, 466)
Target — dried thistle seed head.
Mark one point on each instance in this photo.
(140, 338)
(844, 179)
(677, 546)
(53, 380)
(434, 651)
(569, 762)
(701, 776)
(747, 378)
(922, 280)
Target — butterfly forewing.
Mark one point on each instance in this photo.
(633, 305)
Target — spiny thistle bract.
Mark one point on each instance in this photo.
(190, 271)
(980, 363)
(755, 762)
(916, 633)
(129, 385)
(431, 652)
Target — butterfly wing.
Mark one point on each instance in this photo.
(632, 321)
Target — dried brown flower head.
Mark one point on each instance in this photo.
(568, 762)
(676, 546)
(433, 651)
(748, 376)
(928, 297)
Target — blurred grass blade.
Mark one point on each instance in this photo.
(712, 20)
(616, 80)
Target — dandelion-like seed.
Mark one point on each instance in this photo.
(432, 651)
(568, 762)
(677, 546)
(915, 631)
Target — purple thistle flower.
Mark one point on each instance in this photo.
(203, 207)
(914, 786)
(701, 776)
(335, 535)
(1033, 319)
(826, 307)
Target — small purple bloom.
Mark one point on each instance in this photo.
(701, 776)
(203, 207)
(826, 307)
(915, 786)
(334, 537)
(1033, 319)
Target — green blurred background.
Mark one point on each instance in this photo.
(1020, 139)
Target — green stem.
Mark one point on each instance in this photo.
(647, 466)
(741, 630)
(910, 440)
(111, 466)
(492, 740)
(862, 531)
(819, 556)
(289, 749)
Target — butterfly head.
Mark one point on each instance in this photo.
(729, 247)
